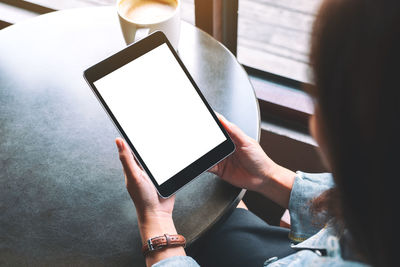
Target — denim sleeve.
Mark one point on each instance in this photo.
(307, 186)
(310, 258)
(177, 261)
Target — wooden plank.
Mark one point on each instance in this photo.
(303, 6)
(275, 64)
(269, 34)
(273, 49)
(274, 35)
(262, 14)
(282, 95)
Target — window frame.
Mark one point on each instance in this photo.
(219, 18)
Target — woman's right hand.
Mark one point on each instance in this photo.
(249, 167)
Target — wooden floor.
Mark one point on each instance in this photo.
(273, 35)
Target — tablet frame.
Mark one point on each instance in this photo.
(123, 57)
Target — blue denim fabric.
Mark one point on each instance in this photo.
(313, 232)
(305, 188)
(177, 261)
(309, 258)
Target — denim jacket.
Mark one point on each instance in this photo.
(313, 236)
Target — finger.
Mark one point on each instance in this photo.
(137, 163)
(214, 169)
(218, 169)
(131, 168)
(237, 135)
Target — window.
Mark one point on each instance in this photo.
(273, 36)
(270, 38)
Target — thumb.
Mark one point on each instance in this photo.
(237, 135)
(131, 168)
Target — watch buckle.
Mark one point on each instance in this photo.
(150, 244)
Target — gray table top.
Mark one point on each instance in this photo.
(62, 194)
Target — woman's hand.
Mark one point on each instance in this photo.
(142, 191)
(154, 213)
(249, 167)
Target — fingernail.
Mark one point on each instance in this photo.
(120, 145)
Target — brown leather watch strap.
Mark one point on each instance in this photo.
(163, 241)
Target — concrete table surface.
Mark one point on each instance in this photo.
(62, 195)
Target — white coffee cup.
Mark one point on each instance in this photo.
(138, 18)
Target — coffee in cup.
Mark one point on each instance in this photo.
(145, 12)
(138, 18)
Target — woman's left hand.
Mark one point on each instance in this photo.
(153, 212)
(142, 191)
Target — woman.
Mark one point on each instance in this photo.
(347, 220)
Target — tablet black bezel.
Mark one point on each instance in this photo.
(122, 58)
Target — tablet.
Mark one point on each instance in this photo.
(160, 112)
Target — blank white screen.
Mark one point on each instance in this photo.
(161, 112)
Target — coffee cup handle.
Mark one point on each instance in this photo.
(141, 33)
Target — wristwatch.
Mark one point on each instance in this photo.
(163, 241)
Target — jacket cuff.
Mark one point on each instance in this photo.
(305, 188)
(177, 261)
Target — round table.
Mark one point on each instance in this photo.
(63, 200)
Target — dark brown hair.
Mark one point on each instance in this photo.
(355, 55)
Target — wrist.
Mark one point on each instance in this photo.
(155, 225)
(278, 183)
(282, 174)
(269, 177)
